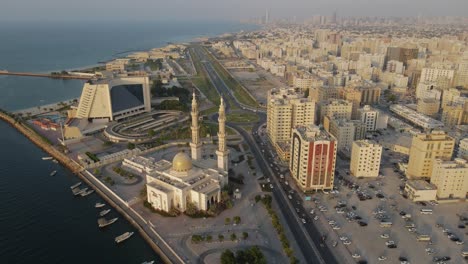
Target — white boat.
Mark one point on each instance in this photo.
(78, 191)
(148, 262)
(99, 205)
(53, 173)
(102, 222)
(55, 161)
(47, 158)
(83, 194)
(123, 237)
(75, 185)
(104, 212)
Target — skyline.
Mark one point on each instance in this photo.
(54, 10)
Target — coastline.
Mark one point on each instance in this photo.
(79, 171)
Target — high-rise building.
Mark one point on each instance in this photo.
(424, 149)
(313, 158)
(287, 108)
(451, 178)
(454, 115)
(463, 149)
(114, 99)
(369, 117)
(443, 77)
(365, 158)
(345, 131)
(335, 108)
(428, 106)
(370, 95)
(354, 96)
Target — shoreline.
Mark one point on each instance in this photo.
(79, 171)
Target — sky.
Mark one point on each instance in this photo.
(220, 9)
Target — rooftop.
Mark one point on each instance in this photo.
(421, 185)
(314, 133)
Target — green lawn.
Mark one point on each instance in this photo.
(242, 117)
(202, 81)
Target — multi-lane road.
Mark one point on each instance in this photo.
(306, 234)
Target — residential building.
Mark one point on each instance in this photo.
(345, 131)
(463, 149)
(365, 158)
(287, 108)
(428, 106)
(416, 118)
(313, 158)
(420, 190)
(451, 178)
(424, 149)
(369, 117)
(335, 108)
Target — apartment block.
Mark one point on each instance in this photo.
(428, 106)
(313, 158)
(451, 178)
(369, 117)
(345, 131)
(336, 108)
(424, 149)
(365, 158)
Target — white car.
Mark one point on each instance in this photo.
(346, 242)
(316, 218)
(356, 255)
(312, 211)
(382, 258)
(290, 197)
(384, 236)
(303, 220)
(336, 227)
(391, 242)
(460, 242)
(343, 238)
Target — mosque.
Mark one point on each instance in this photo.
(194, 179)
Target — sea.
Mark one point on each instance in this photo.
(40, 220)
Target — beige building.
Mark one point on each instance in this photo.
(424, 149)
(420, 190)
(345, 131)
(369, 117)
(370, 95)
(335, 108)
(451, 178)
(454, 115)
(287, 108)
(354, 96)
(313, 158)
(428, 106)
(114, 99)
(463, 149)
(365, 158)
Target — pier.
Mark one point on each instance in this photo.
(49, 75)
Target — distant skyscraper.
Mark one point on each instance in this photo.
(267, 16)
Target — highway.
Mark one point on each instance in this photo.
(306, 235)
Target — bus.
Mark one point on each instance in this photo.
(423, 238)
(426, 211)
(385, 224)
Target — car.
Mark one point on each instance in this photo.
(334, 244)
(286, 182)
(382, 258)
(402, 259)
(392, 246)
(446, 258)
(402, 213)
(362, 223)
(303, 220)
(316, 218)
(343, 238)
(353, 207)
(356, 255)
(384, 236)
(312, 211)
(461, 226)
(271, 186)
(331, 222)
(459, 242)
(391, 242)
(336, 227)
(290, 197)
(346, 242)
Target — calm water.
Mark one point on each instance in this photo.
(40, 220)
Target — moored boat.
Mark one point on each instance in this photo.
(102, 222)
(148, 262)
(123, 237)
(53, 173)
(83, 194)
(99, 205)
(104, 212)
(75, 185)
(47, 158)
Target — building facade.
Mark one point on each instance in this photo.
(338, 109)
(365, 158)
(345, 131)
(451, 178)
(424, 149)
(313, 158)
(369, 117)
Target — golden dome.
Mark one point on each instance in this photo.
(181, 162)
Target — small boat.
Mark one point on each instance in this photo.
(83, 194)
(53, 173)
(55, 161)
(75, 185)
(123, 237)
(78, 191)
(99, 205)
(104, 212)
(148, 262)
(102, 222)
(47, 158)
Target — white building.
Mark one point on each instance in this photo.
(369, 117)
(416, 118)
(451, 178)
(365, 158)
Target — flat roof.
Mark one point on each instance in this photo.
(421, 185)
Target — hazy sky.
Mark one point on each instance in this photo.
(219, 9)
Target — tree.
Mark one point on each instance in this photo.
(245, 235)
(209, 238)
(227, 257)
(130, 146)
(220, 238)
(233, 236)
(227, 220)
(237, 220)
(151, 133)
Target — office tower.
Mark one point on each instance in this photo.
(313, 158)
(114, 99)
(451, 178)
(424, 149)
(365, 158)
